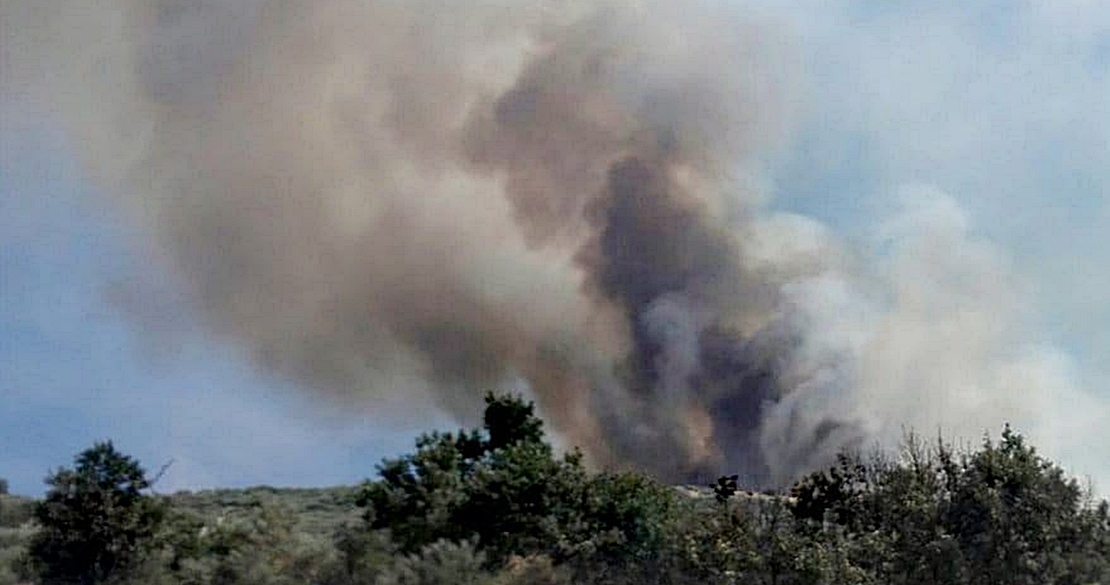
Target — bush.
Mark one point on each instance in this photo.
(95, 522)
(999, 515)
(501, 487)
(439, 563)
(15, 511)
(13, 553)
(259, 547)
(470, 508)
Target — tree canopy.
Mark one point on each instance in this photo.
(95, 520)
(498, 505)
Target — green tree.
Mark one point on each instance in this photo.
(621, 523)
(509, 420)
(1020, 520)
(504, 489)
(498, 500)
(1000, 515)
(96, 521)
(502, 486)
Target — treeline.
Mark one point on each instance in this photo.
(497, 506)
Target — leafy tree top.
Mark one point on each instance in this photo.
(1001, 514)
(509, 419)
(505, 489)
(95, 519)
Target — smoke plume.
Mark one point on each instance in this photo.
(468, 196)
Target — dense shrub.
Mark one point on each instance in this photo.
(96, 522)
(497, 506)
(998, 515)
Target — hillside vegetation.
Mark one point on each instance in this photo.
(497, 506)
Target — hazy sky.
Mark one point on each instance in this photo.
(1002, 108)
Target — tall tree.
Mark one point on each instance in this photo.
(96, 519)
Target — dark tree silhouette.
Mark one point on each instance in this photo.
(96, 520)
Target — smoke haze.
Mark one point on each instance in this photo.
(422, 201)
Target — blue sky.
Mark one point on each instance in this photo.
(1003, 108)
(77, 369)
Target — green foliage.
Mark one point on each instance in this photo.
(519, 499)
(834, 494)
(534, 570)
(96, 521)
(497, 506)
(505, 490)
(509, 420)
(618, 529)
(318, 512)
(999, 515)
(3, 487)
(439, 563)
(16, 530)
(362, 556)
(249, 537)
(15, 510)
(502, 487)
(1016, 517)
(13, 551)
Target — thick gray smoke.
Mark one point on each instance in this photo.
(435, 199)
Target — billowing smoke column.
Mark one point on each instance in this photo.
(435, 199)
(607, 156)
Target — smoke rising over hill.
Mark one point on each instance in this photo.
(383, 198)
